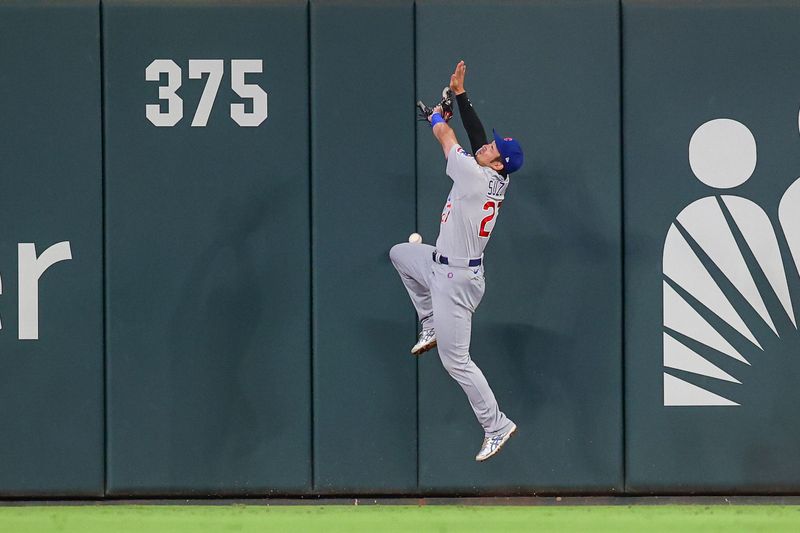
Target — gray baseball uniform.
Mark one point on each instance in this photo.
(450, 293)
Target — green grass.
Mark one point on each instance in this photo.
(388, 518)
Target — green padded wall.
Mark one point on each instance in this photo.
(51, 388)
(687, 64)
(363, 186)
(256, 335)
(208, 254)
(548, 331)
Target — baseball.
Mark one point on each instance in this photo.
(415, 238)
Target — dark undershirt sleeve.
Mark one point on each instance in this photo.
(475, 131)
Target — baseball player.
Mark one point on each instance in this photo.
(446, 283)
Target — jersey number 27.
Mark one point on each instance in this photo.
(489, 206)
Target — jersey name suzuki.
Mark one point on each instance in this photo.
(472, 206)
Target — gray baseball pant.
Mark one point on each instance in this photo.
(449, 295)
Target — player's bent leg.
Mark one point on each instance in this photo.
(413, 260)
(413, 263)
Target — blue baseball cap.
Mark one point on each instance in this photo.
(510, 152)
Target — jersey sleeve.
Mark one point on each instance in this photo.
(463, 169)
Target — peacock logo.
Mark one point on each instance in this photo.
(728, 309)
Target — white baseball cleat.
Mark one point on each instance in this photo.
(492, 445)
(427, 340)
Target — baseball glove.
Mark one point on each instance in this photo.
(446, 103)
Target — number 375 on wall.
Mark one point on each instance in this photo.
(214, 68)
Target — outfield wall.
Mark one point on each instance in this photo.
(217, 185)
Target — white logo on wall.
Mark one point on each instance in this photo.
(30, 269)
(722, 155)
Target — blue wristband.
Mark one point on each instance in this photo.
(436, 118)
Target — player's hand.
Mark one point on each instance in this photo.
(434, 110)
(457, 78)
(444, 114)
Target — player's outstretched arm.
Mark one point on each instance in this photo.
(475, 131)
(442, 131)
